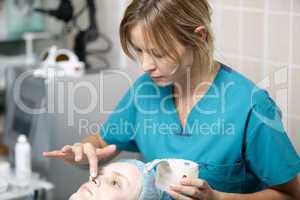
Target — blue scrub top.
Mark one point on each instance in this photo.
(234, 132)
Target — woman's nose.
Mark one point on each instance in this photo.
(148, 63)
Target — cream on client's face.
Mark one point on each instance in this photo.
(115, 181)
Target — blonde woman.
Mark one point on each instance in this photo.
(187, 105)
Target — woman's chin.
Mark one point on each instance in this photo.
(162, 82)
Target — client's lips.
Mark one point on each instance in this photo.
(86, 188)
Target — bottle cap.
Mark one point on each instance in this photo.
(22, 138)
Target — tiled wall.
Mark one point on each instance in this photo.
(261, 39)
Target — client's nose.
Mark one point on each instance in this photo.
(97, 181)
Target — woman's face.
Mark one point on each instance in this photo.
(161, 68)
(115, 181)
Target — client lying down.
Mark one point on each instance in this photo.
(125, 179)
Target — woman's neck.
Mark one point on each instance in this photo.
(196, 81)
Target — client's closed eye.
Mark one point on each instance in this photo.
(113, 178)
(116, 183)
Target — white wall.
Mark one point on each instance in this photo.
(260, 38)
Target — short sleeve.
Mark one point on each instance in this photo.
(270, 154)
(119, 128)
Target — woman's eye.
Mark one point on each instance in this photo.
(157, 54)
(138, 50)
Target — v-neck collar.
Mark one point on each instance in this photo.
(200, 102)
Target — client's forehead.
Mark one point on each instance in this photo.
(126, 169)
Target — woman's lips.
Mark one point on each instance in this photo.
(157, 77)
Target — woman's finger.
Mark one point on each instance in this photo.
(90, 152)
(69, 158)
(106, 152)
(70, 161)
(199, 183)
(78, 151)
(190, 191)
(54, 154)
(67, 148)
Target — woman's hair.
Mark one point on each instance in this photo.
(166, 22)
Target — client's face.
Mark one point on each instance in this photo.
(116, 181)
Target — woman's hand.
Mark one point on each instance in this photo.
(192, 188)
(83, 153)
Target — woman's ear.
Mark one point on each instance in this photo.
(201, 32)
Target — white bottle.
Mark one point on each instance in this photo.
(23, 161)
